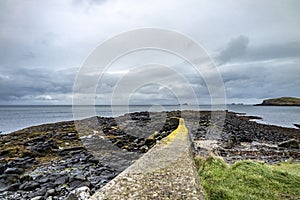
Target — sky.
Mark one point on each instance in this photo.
(255, 46)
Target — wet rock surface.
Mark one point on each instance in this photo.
(237, 137)
(76, 167)
(56, 161)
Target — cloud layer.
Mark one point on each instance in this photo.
(256, 46)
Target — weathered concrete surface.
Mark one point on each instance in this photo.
(167, 171)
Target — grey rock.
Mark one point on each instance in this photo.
(81, 193)
(43, 180)
(149, 141)
(2, 184)
(13, 187)
(3, 189)
(256, 144)
(14, 170)
(25, 177)
(61, 180)
(29, 186)
(50, 192)
(297, 125)
(9, 178)
(40, 192)
(144, 149)
(75, 183)
(78, 177)
(37, 198)
(292, 144)
(79, 183)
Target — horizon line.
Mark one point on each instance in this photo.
(124, 104)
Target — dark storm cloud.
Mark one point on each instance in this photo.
(235, 48)
(258, 80)
(23, 83)
(260, 71)
(239, 50)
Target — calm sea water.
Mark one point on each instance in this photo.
(13, 118)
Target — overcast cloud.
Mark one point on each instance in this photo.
(255, 45)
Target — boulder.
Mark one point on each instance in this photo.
(297, 125)
(13, 187)
(61, 180)
(149, 142)
(291, 144)
(50, 192)
(37, 198)
(144, 149)
(81, 193)
(29, 186)
(14, 170)
(39, 192)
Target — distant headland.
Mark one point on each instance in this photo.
(282, 101)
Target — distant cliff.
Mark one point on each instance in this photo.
(283, 101)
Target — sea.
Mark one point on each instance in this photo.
(13, 118)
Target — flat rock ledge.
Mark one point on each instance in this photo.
(167, 171)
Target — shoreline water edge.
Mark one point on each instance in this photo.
(14, 118)
(54, 160)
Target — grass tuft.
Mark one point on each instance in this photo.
(248, 179)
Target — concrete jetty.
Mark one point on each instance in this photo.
(167, 171)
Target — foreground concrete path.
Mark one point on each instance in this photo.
(166, 171)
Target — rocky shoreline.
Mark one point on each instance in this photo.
(55, 161)
(240, 138)
(62, 160)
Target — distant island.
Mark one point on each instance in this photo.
(282, 101)
(184, 104)
(237, 104)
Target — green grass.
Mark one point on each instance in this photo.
(289, 167)
(283, 101)
(248, 180)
